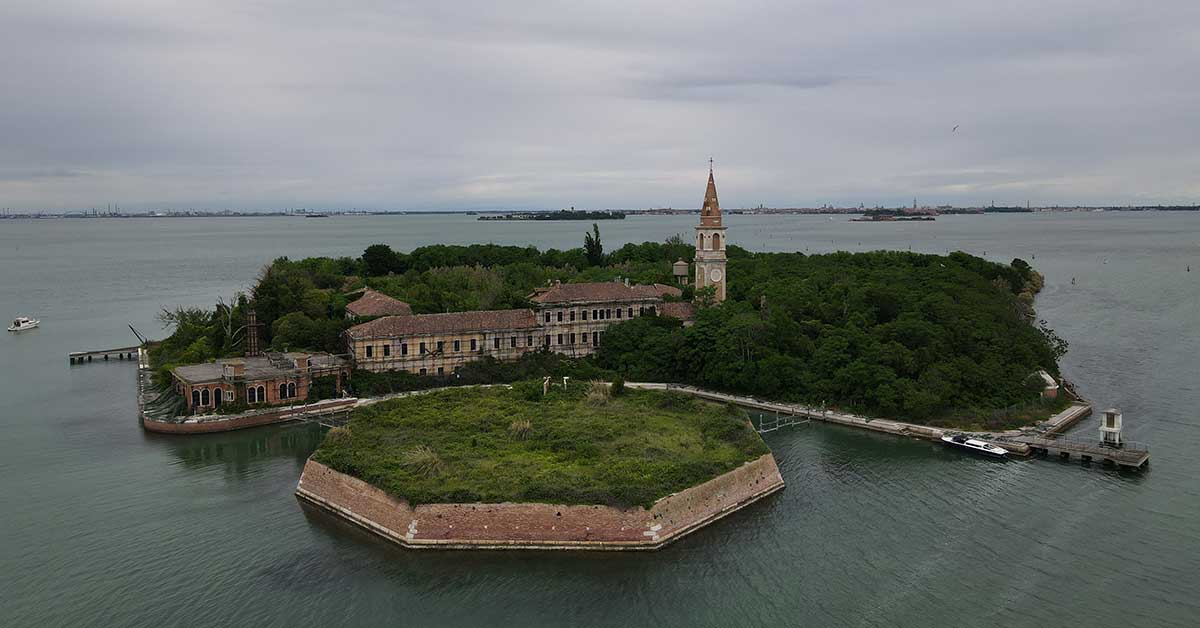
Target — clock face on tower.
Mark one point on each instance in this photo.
(715, 274)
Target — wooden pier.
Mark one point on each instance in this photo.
(104, 355)
(1130, 455)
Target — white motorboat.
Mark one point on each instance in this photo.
(21, 323)
(975, 445)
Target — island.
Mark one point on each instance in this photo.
(562, 214)
(947, 341)
(540, 464)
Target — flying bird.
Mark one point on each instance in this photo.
(954, 129)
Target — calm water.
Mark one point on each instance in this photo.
(106, 525)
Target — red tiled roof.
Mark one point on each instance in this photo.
(453, 322)
(656, 290)
(599, 291)
(676, 309)
(373, 303)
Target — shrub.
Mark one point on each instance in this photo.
(520, 429)
(598, 393)
(422, 460)
(618, 387)
(338, 436)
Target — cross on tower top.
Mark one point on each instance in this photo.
(710, 165)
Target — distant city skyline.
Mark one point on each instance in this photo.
(479, 106)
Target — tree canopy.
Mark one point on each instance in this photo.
(888, 333)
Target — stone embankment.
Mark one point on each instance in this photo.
(207, 423)
(538, 526)
(1008, 439)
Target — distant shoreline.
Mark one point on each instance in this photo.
(605, 215)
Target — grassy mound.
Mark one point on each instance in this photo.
(575, 446)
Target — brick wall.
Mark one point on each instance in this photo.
(544, 526)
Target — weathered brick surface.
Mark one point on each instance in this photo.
(538, 525)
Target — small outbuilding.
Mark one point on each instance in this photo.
(373, 303)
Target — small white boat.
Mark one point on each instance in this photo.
(21, 323)
(978, 446)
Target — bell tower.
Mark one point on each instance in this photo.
(710, 242)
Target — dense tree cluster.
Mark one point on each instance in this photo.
(896, 334)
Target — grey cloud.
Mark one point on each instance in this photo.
(596, 104)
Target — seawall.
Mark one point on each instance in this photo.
(538, 526)
(203, 424)
(1008, 439)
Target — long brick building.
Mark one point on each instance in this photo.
(566, 318)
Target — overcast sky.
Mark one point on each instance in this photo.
(458, 105)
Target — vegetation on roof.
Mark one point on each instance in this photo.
(579, 445)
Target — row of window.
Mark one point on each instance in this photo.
(715, 241)
(497, 341)
(254, 394)
(583, 338)
(597, 314)
(441, 346)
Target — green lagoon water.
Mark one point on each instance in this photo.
(105, 525)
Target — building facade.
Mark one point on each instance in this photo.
(565, 318)
(268, 379)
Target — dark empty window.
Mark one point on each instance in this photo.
(572, 314)
(595, 338)
(618, 312)
(512, 342)
(547, 340)
(560, 317)
(423, 371)
(528, 341)
(370, 350)
(457, 346)
(422, 348)
(404, 348)
(441, 344)
(291, 389)
(496, 342)
(583, 314)
(572, 338)
(441, 370)
(204, 397)
(630, 312)
(547, 317)
(474, 344)
(283, 391)
(387, 350)
(560, 339)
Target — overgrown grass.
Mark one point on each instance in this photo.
(500, 445)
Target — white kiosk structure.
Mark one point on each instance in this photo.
(1110, 428)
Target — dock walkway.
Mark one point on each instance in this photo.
(1130, 455)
